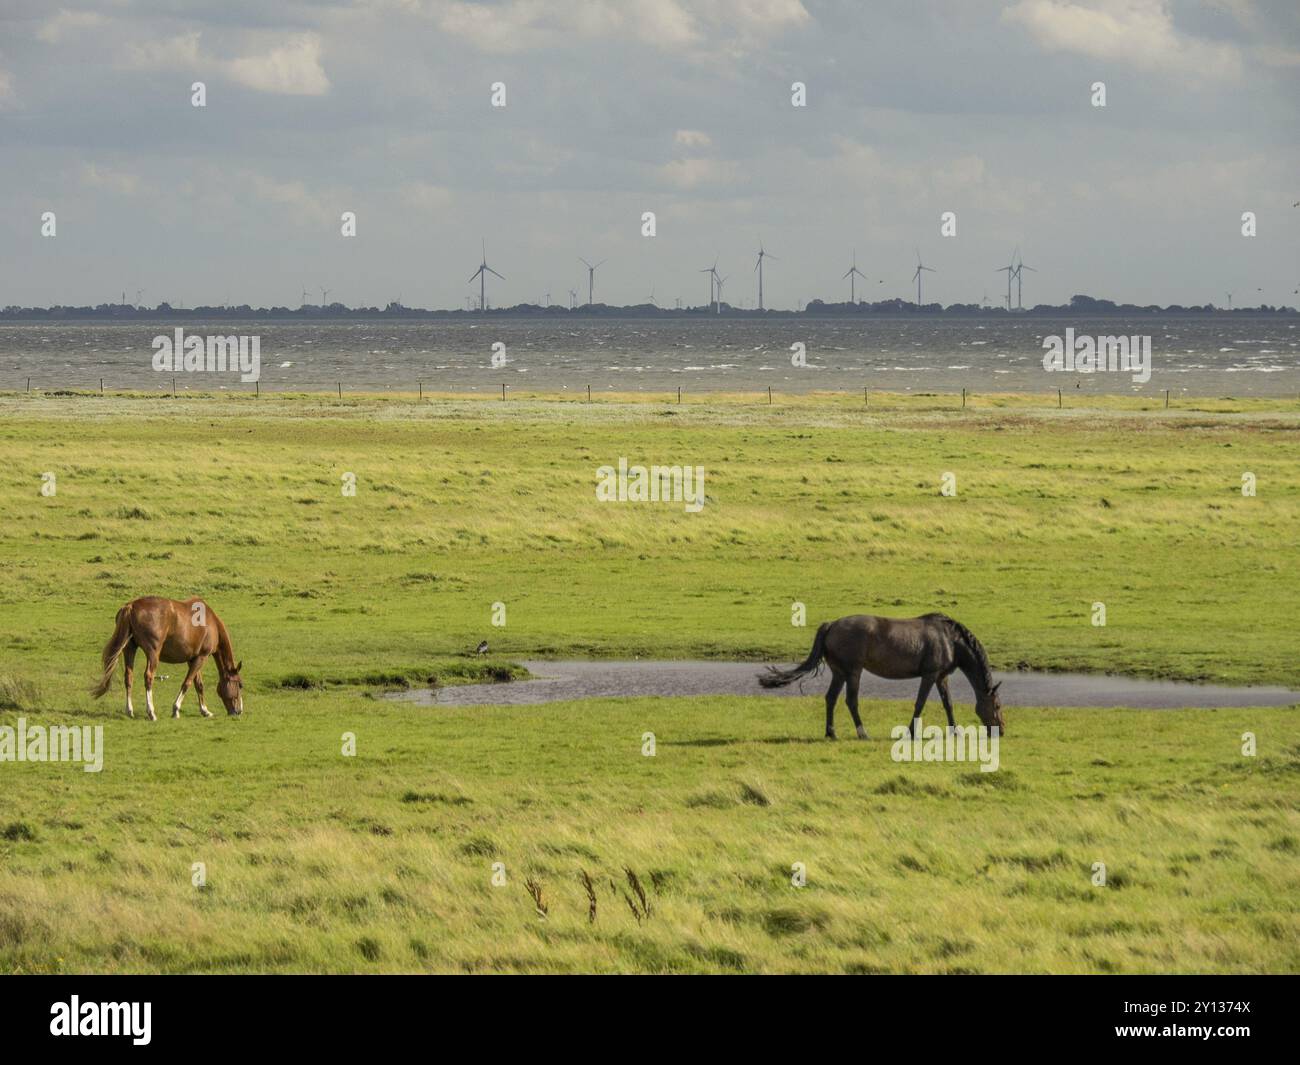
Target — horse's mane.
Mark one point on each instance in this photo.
(971, 643)
(225, 649)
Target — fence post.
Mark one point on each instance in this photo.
(769, 395)
(1166, 399)
(1059, 401)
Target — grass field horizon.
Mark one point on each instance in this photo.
(321, 862)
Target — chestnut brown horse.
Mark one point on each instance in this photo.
(931, 647)
(167, 630)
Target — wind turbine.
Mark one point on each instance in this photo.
(323, 293)
(1021, 266)
(1010, 272)
(573, 296)
(712, 271)
(304, 297)
(721, 280)
(652, 296)
(917, 276)
(481, 273)
(759, 267)
(853, 273)
(591, 277)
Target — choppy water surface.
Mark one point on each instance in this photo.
(1211, 356)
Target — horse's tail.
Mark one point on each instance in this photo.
(113, 650)
(779, 678)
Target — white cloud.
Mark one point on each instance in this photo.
(293, 68)
(1137, 32)
(103, 177)
(692, 138)
(1273, 56)
(55, 28)
(171, 53)
(426, 197)
(693, 173)
(306, 207)
(523, 25)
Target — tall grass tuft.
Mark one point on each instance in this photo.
(535, 890)
(16, 693)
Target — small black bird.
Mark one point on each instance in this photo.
(482, 648)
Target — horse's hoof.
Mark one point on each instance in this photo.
(830, 735)
(862, 734)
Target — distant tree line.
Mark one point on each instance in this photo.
(815, 308)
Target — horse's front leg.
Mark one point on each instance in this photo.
(150, 671)
(924, 693)
(947, 701)
(198, 687)
(195, 664)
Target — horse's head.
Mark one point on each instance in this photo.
(231, 689)
(989, 708)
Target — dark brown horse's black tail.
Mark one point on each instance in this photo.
(113, 650)
(779, 678)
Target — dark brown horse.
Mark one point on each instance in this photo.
(931, 647)
(170, 631)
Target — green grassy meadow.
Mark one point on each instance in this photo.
(383, 861)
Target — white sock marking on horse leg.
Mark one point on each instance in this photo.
(176, 706)
(130, 710)
(203, 709)
(148, 698)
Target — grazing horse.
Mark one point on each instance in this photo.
(170, 631)
(930, 647)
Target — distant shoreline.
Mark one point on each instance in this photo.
(529, 312)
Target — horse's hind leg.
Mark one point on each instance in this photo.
(196, 663)
(832, 693)
(851, 697)
(128, 670)
(924, 693)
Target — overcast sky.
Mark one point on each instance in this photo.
(681, 107)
